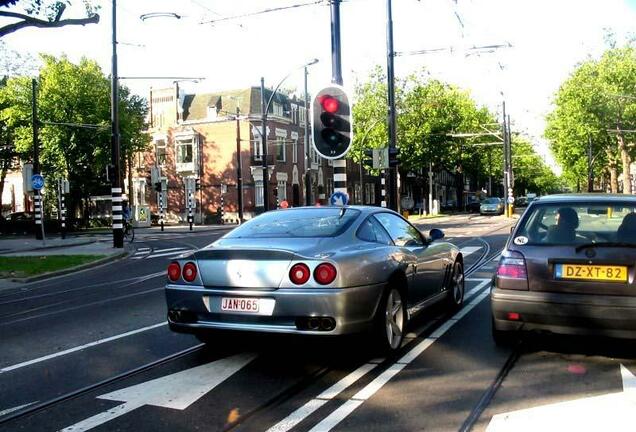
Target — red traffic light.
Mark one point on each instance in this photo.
(330, 104)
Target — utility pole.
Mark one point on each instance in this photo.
(339, 165)
(307, 159)
(393, 171)
(116, 190)
(264, 143)
(239, 166)
(37, 194)
(590, 166)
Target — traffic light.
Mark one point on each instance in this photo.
(197, 184)
(157, 186)
(332, 129)
(394, 153)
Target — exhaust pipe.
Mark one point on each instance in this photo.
(313, 323)
(327, 324)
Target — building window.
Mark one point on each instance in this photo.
(257, 148)
(280, 149)
(302, 116)
(184, 152)
(282, 190)
(369, 193)
(294, 113)
(329, 187)
(161, 152)
(357, 193)
(277, 109)
(258, 198)
(295, 151)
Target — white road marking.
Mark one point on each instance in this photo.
(170, 249)
(467, 250)
(310, 407)
(167, 391)
(172, 254)
(10, 410)
(79, 348)
(614, 411)
(370, 389)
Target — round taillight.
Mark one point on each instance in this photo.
(174, 271)
(299, 274)
(325, 273)
(189, 272)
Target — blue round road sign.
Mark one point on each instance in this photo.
(339, 199)
(37, 181)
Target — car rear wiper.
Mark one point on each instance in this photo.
(605, 244)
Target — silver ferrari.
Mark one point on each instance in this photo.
(315, 271)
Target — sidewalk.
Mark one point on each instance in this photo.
(21, 244)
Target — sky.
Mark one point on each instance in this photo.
(547, 39)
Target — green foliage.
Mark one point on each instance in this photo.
(78, 94)
(428, 112)
(593, 103)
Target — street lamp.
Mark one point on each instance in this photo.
(265, 110)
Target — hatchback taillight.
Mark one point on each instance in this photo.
(189, 272)
(512, 265)
(299, 274)
(174, 271)
(325, 273)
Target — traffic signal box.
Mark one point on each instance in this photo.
(393, 156)
(331, 124)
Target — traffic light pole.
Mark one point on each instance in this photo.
(393, 189)
(264, 109)
(307, 159)
(37, 195)
(239, 166)
(339, 165)
(116, 190)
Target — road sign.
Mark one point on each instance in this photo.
(511, 200)
(339, 199)
(37, 181)
(381, 158)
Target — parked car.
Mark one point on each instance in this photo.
(473, 206)
(491, 206)
(521, 201)
(569, 268)
(17, 223)
(315, 271)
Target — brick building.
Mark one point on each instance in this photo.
(196, 136)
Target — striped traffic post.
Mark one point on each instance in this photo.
(190, 215)
(118, 225)
(340, 175)
(222, 206)
(383, 191)
(161, 209)
(38, 210)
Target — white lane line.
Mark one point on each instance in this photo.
(169, 249)
(310, 407)
(79, 348)
(10, 410)
(173, 253)
(370, 389)
(143, 249)
(467, 250)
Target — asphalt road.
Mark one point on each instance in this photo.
(73, 332)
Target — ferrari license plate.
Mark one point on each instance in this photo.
(234, 304)
(591, 272)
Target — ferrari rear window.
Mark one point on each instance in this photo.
(313, 222)
(578, 223)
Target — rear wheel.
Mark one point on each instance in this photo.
(391, 321)
(455, 297)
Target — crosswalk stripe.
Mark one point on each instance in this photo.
(169, 249)
(467, 250)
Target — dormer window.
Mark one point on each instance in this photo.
(278, 109)
(212, 113)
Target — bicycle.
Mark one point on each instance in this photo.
(129, 232)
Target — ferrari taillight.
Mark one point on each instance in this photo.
(325, 273)
(299, 274)
(174, 271)
(189, 272)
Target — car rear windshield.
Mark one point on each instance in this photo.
(318, 222)
(491, 201)
(578, 223)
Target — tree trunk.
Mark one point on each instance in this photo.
(626, 162)
(3, 176)
(613, 171)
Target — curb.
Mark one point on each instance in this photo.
(65, 271)
(84, 243)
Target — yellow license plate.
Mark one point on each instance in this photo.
(591, 272)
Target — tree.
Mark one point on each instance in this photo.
(44, 14)
(596, 103)
(77, 95)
